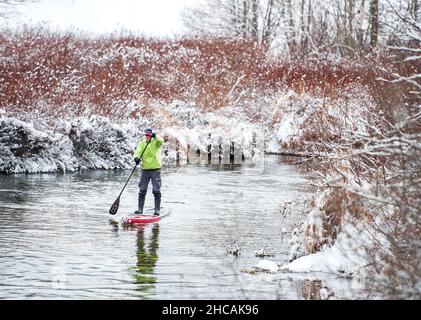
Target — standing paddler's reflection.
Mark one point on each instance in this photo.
(146, 257)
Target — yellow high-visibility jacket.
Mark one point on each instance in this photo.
(151, 158)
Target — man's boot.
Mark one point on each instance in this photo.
(140, 203)
(157, 203)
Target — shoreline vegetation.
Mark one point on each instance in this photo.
(70, 103)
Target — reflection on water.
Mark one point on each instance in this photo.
(55, 228)
(115, 225)
(310, 289)
(147, 257)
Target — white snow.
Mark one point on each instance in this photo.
(272, 146)
(346, 256)
(267, 265)
(287, 129)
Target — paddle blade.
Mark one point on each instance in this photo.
(114, 207)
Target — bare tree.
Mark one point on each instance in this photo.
(379, 180)
(248, 19)
(360, 28)
(306, 27)
(254, 15)
(415, 7)
(374, 22)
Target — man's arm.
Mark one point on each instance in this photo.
(160, 141)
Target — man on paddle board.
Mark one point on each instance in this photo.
(148, 152)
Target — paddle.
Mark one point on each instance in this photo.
(114, 207)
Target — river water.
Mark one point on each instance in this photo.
(57, 240)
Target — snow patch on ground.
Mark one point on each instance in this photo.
(346, 256)
(267, 265)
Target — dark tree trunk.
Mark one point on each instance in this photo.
(374, 22)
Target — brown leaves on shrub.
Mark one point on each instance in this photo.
(64, 71)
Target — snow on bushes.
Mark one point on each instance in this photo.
(63, 69)
(93, 143)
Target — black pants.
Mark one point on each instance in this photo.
(146, 176)
(155, 177)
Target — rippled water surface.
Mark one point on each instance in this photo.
(57, 240)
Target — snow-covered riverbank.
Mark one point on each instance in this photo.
(286, 122)
(32, 144)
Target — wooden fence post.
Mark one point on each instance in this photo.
(209, 151)
(232, 152)
(177, 151)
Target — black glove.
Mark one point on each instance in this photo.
(153, 135)
(137, 161)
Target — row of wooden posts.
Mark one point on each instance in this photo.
(214, 154)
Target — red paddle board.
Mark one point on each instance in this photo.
(147, 217)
